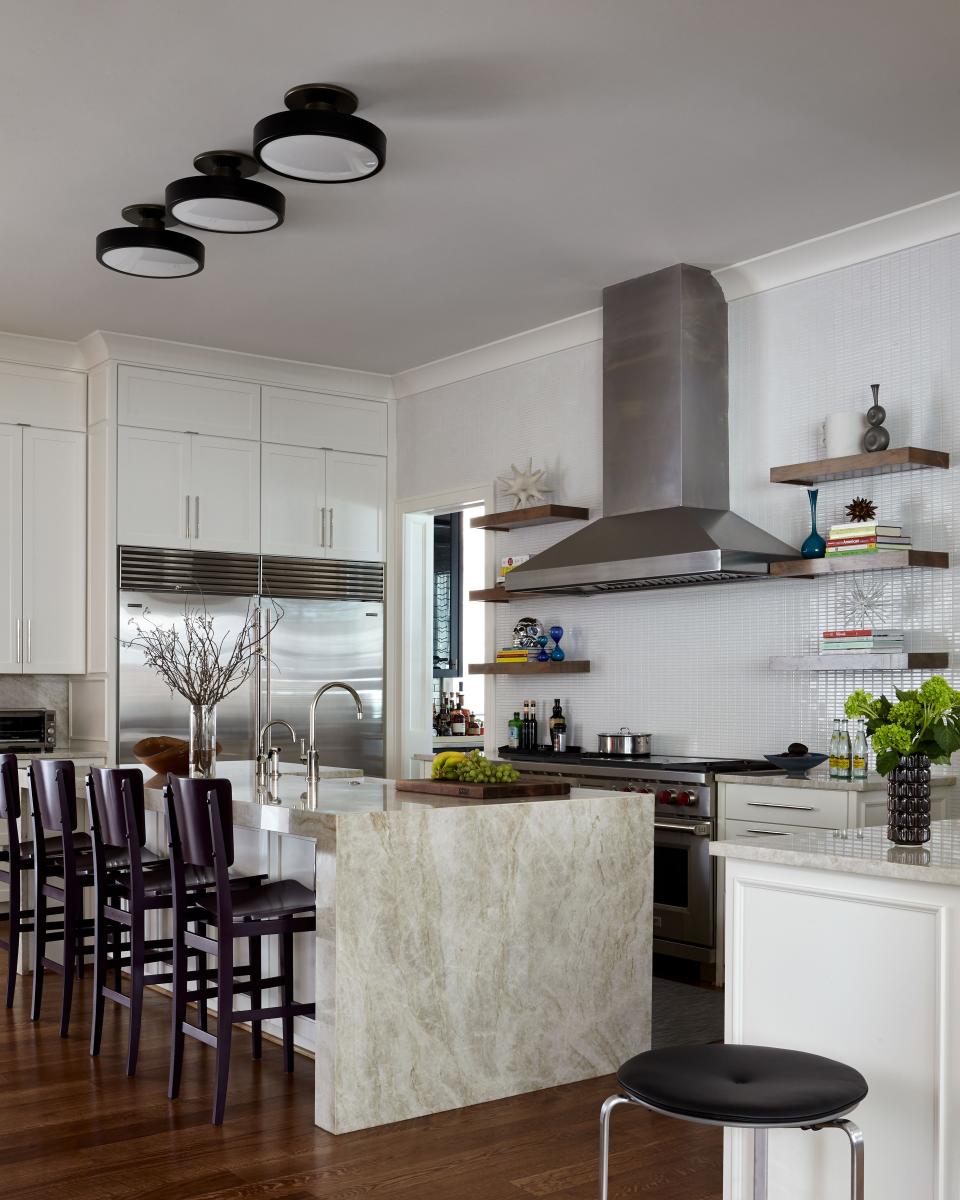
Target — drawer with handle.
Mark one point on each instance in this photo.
(810, 807)
(745, 831)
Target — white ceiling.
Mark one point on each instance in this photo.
(537, 150)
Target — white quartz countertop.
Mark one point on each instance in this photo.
(295, 807)
(857, 852)
(820, 779)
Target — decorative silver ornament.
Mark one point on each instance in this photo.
(525, 633)
(865, 604)
(526, 487)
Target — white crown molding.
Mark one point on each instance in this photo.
(208, 360)
(914, 226)
(520, 347)
(41, 352)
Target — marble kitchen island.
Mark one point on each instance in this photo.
(846, 945)
(465, 951)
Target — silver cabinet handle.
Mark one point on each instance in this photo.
(19, 642)
(695, 829)
(767, 833)
(331, 529)
(323, 527)
(29, 639)
(196, 516)
(186, 527)
(783, 807)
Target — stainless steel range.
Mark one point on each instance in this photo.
(685, 821)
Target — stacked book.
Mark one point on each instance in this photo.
(508, 654)
(865, 537)
(862, 641)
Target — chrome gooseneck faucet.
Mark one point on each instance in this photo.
(271, 757)
(313, 754)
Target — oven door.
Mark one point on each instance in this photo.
(684, 883)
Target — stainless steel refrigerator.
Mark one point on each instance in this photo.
(331, 628)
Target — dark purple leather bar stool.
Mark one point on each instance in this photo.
(18, 855)
(745, 1087)
(200, 820)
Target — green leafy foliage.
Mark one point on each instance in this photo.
(923, 721)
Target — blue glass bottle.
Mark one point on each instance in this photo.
(814, 546)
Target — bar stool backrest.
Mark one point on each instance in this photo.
(109, 807)
(54, 806)
(193, 819)
(10, 806)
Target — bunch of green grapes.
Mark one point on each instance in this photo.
(476, 768)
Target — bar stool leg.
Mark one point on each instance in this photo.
(855, 1136)
(39, 949)
(606, 1111)
(202, 967)
(70, 938)
(256, 993)
(286, 970)
(760, 1164)
(178, 1011)
(224, 1024)
(137, 952)
(14, 938)
(99, 979)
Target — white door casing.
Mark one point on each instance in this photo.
(11, 549)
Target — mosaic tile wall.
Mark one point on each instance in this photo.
(692, 666)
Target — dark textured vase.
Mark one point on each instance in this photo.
(908, 801)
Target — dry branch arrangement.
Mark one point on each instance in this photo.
(193, 660)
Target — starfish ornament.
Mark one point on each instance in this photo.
(526, 487)
(864, 606)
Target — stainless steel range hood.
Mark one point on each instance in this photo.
(666, 515)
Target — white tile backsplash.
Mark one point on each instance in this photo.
(691, 665)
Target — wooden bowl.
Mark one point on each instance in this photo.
(164, 755)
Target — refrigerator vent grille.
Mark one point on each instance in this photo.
(145, 569)
(322, 579)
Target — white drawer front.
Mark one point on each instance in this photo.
(810, 807)
(744, 831)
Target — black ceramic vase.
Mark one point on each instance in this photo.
(908, 801)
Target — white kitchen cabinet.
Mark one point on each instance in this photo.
(293, 501)
(225, 485)
(185, 403)
(54, 559)
(43, 551)
(326, 422)
(186, 491)
(323, 503)
(11, 549)
(153, 488)
(356, 506)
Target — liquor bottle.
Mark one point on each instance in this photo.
(534, 733)
(558, 729)
(845, 755)
(860, 751)
(443, 720)
(513, 731)
(525, 727)
(835, 749)
(474, 726)
(458, 723)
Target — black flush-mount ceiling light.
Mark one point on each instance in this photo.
(319, 139)
(150, 250)
(223, 199)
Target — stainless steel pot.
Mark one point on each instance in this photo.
(623, 742)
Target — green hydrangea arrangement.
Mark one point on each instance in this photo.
(924, 721)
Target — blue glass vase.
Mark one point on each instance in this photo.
(814, 546)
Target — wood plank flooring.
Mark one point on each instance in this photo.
(76, 1128)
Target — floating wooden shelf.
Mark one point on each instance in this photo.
(908, 660)
(499, 595)
(539, 514)
(572, 666)
(903, 458)
(880, 560)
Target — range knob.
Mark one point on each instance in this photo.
(685, 798)
(663, 796)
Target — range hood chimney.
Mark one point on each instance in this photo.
(666, 492)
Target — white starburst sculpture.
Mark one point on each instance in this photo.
(526, 487)
(864, 606)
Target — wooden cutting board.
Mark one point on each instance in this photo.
(482, 791)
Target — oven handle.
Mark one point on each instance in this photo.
(696, 829)
(784, 807)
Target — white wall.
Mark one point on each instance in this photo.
(690, 666)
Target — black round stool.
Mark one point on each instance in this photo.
(746, 1087)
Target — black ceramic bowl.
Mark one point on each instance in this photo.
(796, 765)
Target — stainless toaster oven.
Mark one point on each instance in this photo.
(28, 729)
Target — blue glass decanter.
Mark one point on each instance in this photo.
(814, 546)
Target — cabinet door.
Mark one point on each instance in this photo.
(153, 488)
(54, 551)
(325, 421)
(185, 403)
(293, 498)
(225, 485)
(356, 506)
(11, 549)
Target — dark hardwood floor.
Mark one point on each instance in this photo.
(76, 1128)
